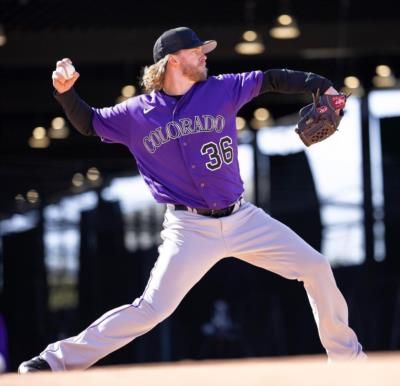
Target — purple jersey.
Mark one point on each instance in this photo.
(186, 148)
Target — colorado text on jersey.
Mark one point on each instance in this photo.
(184, 126)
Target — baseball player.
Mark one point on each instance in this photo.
(183, 136)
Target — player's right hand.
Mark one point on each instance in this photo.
(60, 81)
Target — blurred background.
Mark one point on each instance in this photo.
(78, 228)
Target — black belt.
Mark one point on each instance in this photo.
(215, 213)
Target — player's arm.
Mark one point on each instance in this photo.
(78, 112)
(295, 82)
(112, 124)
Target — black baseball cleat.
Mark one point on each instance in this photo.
(33, 365)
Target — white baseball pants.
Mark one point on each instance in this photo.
(192, 244)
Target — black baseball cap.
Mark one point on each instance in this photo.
(177, 39)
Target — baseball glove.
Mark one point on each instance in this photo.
(320, 119)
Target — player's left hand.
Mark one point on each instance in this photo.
(320, 119)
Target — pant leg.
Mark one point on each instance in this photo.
(192, 244)
(269, 244)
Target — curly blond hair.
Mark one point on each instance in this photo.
(153, 76)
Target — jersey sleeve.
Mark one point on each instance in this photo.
(242, 88)
(113, 124)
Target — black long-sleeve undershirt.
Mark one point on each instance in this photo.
(293, 82)
(285, 81)
(78, 112)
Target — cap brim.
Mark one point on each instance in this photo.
(208, 46)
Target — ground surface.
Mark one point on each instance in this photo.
(382, 369)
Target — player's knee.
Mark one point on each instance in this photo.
(154, 313)
(319, 264)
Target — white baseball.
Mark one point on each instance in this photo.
(67, 70)
(70, 70)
